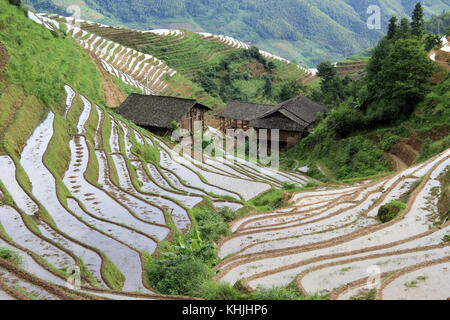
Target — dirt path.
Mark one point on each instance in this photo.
(398, 164)
(113, 95)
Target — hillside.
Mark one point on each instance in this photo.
(84, 192)
(82, 187)
(305, 31)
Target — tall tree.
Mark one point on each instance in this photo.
(405, 76)
(418, 22)
(404, 31)
(392, 30)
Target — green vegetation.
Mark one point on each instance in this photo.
(390, 211)
(393, 102)
(185, 267)
(306, 31)
(11, 256)
(446, 238)
(365, 294)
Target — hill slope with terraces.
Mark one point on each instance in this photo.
(83, 189)
(173, 62)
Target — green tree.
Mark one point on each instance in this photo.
(393, 28)
(405, 76)
(418, 22)
(404, 31)
(326, 70)
(290, 89)
(432, 40)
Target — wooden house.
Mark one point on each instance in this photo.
(158, 114)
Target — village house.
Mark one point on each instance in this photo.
(237, 115)
(158, 114)
(293, 118)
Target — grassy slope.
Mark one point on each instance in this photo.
(32, 83)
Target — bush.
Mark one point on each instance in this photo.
(181, 275)
(17, 3)
(390, 211)
(10, 256)
(212, 224)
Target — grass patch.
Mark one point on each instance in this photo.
(390, 211)
(10, 256)
(365, 294)
(271, 200)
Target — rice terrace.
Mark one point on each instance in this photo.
(95, 205)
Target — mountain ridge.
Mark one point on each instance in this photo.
(305, 31)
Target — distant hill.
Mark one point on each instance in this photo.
(306, 31)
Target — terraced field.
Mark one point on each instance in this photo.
(331, 242)
(110, 209)
(162, 61)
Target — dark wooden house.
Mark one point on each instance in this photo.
(293, 118)
(158, 113)
(237, 115)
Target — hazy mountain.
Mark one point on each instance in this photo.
(307, 31)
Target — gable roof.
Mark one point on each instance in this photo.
(244, 111)
(155, 111)
(301, 112)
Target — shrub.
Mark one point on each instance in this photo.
(10, 256)
(212, 224)
(390, 211)
(180, 275)
(17, 3)
(288, 185)
(446, 238)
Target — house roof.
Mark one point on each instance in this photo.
(301, 112)
(155, 111)
(244, 111)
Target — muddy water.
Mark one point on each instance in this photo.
(101, 205)
(8, 178)
(179, 215)
(189, 176)
(230, 205)
(128, 144)
(333, 277)
(30, 289)
(98, 132)
(140, 208)
(44, 190)
(127, 260)
(84, 115)
(285, 277)
(429, 284)
(15, 228)
(69, 99)
(91, 259)
(28, 264)
(160, 180)
(114, 138)
(149, 186)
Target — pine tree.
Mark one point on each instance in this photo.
(418, 22)
(405, 29)
(392, 31)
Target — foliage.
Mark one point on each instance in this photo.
(10, 256)
(390, 211)
(42, 63)
(418, 22)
